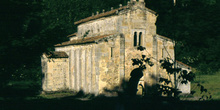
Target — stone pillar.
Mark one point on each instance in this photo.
(83, 70)
(155, 55)
(92, 69)
(97, 57)
(78, 76)
(66, 71)
(80, 69)
(122, 57)
(75, 69)
(89, 69)
(97, 85)
(71, 77)
(86, 72)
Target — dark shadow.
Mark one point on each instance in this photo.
(20, 90)
(136, 75)
(128, 88)
(124, 97)
(122, 101)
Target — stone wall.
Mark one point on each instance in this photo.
(111, 63)
(82, 67)
(184, 88)
(141, 23)
(55, 74)
(98, 27)
(92, 67)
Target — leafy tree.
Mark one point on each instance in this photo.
(16, 38)
(193, 24)
(31, 27)
(164, 86)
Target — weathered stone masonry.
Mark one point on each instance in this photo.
(99, 55)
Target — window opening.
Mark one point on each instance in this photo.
(140, 36)
(111, 52)
(135, 38)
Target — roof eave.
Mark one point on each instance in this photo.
(60, 45)
(163, 37)
(179, 62)
(71, 35)
(83, 41)
(109, 13)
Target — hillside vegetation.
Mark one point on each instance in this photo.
(31, 27)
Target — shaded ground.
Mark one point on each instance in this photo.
(25, 96)
(79, 101)
(19, 90)
(108, 103)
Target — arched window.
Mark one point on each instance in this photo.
(135, 38)
(140, 38)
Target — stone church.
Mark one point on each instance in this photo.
(98, 56)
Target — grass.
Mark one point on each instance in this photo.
(29, 97)
(210, 82)
(56, 95)
(30, 89)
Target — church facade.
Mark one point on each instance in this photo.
(98, 56)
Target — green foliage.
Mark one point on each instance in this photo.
(165, 86)
(193, 24)
(31, 27)
(210, 83)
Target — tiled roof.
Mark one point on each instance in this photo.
(163, 37)
(59, 54)
(100, 15)
(71, 35)
(82, 41)
(181, 63)
(108, 13)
